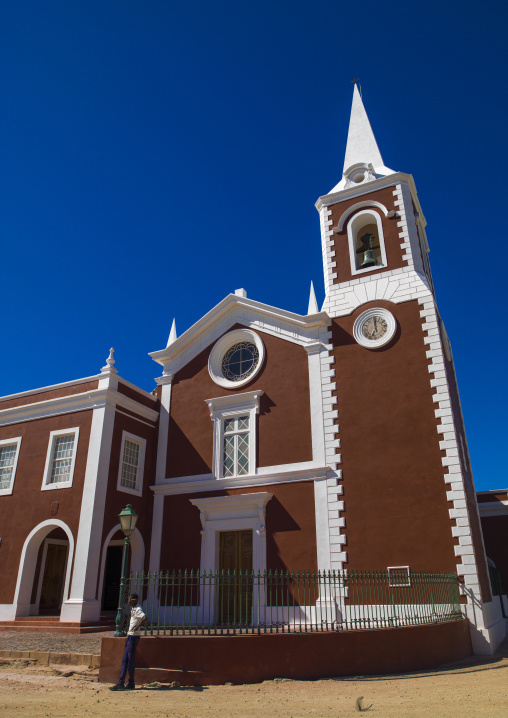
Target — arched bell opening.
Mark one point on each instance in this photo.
(366, 242)
(45, 570)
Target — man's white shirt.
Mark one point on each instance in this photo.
(137, 616)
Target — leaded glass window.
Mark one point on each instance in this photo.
(7, 459)
(235, 461)
(240, 361)
(63, 450)
(130, 463)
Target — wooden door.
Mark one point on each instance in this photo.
(53, 578)
(235, 592)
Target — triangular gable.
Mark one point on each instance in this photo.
(295, 328)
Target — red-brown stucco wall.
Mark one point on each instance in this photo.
(138, 396)
(215, 660)
(395, 497)
(290, 528)
(284, 431)
(28, 506)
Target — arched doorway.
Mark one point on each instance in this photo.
(45, 569)
(50, 574)
(111, 565)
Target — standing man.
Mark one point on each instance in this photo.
(137, 619)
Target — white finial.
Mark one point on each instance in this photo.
(109, 363)
(313, 305)
(241, 293)
(172, 334)
(361, 144)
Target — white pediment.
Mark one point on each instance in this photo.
(307, 331)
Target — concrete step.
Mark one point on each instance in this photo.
(52, 624)
(61, 628)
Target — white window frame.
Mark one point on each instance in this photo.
(228, 407)
(11, 442)
(398, 568)
(220, 349)
(359, 220)
(126, 436)
(49, 459)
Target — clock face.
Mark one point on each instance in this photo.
(374, 328)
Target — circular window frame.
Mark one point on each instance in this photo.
(222, 346)
(378, 312)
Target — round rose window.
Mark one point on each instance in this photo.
(240, 361)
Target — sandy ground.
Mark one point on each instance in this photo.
(462, 690)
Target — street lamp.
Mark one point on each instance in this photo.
(128, 520)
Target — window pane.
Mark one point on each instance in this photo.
(130, 463)
(7, 455)
(229, 456)
(243, 454)
(229, 425)
(243, 423)
(63, 449)
(240, 361)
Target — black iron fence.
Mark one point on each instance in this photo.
(226, 603)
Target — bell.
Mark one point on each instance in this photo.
(369, 259)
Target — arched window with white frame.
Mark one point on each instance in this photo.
(366, 242)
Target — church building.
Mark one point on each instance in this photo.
(330, 441)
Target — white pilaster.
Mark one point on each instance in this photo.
(82, 604)
(160, 473)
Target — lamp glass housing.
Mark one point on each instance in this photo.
(128, 520)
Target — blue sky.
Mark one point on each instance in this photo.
(155, 156)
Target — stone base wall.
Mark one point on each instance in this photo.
(215, 660)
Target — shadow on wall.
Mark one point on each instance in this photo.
(185, 460)
(279, 521)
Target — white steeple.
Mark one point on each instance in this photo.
(361, 144)
(363, 161)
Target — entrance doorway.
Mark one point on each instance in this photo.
(235, 592)
(112, 577)
(53, 577)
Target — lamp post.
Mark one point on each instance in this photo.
(128, 520)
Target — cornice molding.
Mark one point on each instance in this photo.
(51, 387)
(493, 508)
(369, 187)
(246, 400)
(78, 402)
(210, 483)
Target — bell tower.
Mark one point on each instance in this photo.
(395, 412)
(372, 227)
